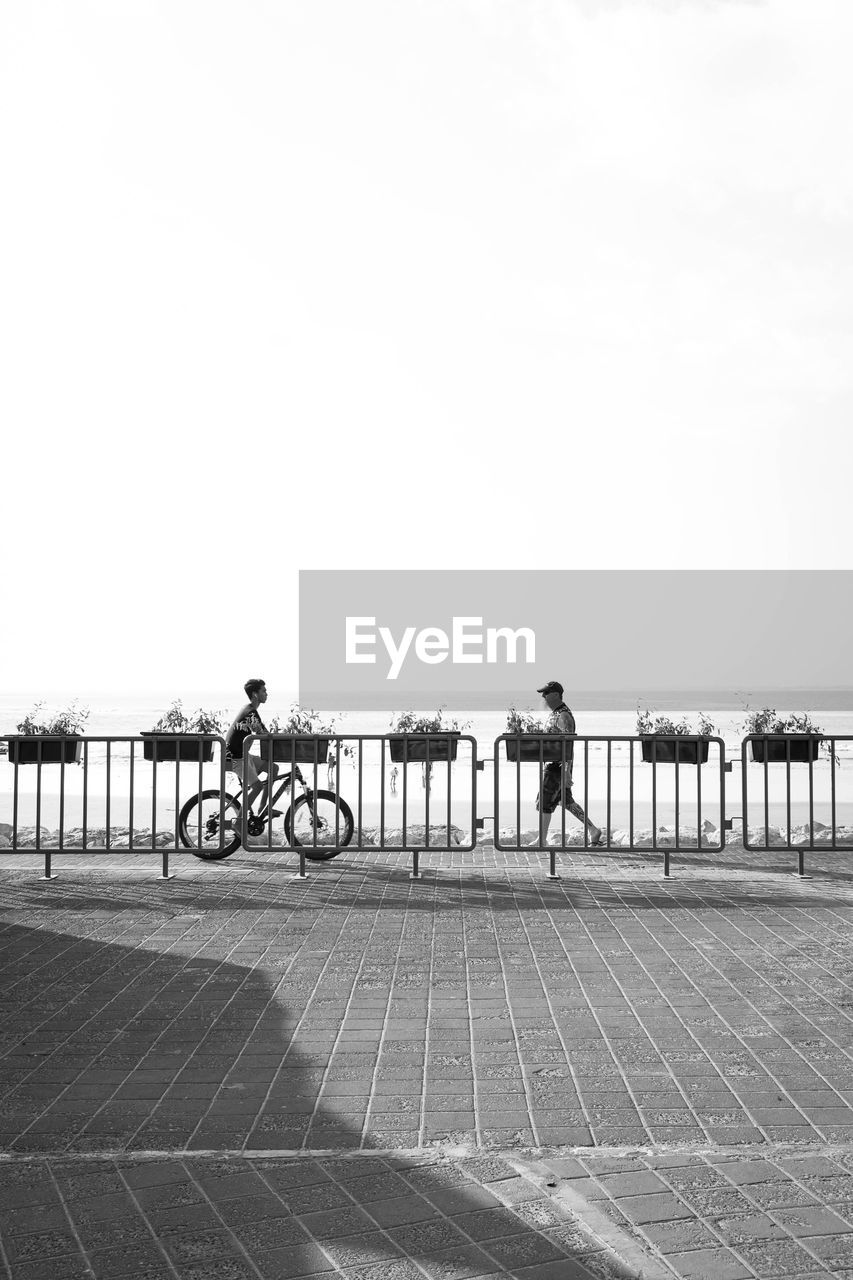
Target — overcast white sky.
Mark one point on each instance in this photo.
(330, 284)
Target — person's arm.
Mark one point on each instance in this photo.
(566, 724)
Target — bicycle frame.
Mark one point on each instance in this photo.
(273, 795)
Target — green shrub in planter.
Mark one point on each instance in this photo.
(662, 749)
(802, 743)
(68, 724)
(435, 734)
(170, 731)
(533, 743)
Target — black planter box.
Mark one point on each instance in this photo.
(175, 746)
(664, 751)
(297, 750)
(535, 747)
(405, 749)
(804, 747)
(26, 751)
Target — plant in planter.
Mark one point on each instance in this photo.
(804, 739)
(303, 720)
(533, 743)
(172, 727)
(68, 724)
(664, 751)
(428, 732)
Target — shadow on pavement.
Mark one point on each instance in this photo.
(133, 1055)
(245, 885)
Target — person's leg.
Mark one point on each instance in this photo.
(577, 812)
(248, 775)
(258, 786)
(546, 803)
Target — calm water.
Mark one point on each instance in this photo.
(128, 715)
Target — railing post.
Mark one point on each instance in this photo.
(164, 874)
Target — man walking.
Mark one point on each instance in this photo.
(555, 784)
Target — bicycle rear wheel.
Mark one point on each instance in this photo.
(209, 824)
(320, 824)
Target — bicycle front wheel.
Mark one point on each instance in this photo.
(210, 825)
(320, 823)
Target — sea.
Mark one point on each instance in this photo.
(599, 712)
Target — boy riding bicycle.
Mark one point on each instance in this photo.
(247, 722)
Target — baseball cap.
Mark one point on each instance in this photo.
(553, 686)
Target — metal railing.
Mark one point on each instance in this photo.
(324, 820)
(86, 784)
(417, 793)
(676, 763)
(787, 764)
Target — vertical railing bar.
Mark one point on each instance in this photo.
(178, 754)
(382, 793)
(472, 746)
(39, 754)
(360, 787)
(199, 788)
(338, 754)
(700, 751)
(654, 792)
(518, 797)
(220, 744)
(746, 745)
(449, 808)
(267, 748)
(85, 841)
(130, 784)
(677, 788)
(496, 789)
(107, 813)
(62, 795)
(832, 786)
(631, 793)
(155, 755)
(722, 776)
(427, 767)
(315, 752)
(810, 749)
(405, 788)
(585, 790)
(609, 786)
(767, 789)
(302, 872)
(15, 793)
(787, 746)
(270, 752)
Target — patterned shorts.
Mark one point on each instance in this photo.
(549, 797)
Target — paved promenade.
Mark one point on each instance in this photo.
(237, 1073)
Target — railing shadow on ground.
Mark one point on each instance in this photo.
(358, 888)
(114, 1050)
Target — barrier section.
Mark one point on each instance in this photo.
(104, 795)
(799, 789)
(648, 786)
(387, 793)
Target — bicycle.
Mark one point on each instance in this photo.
(318, 820)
